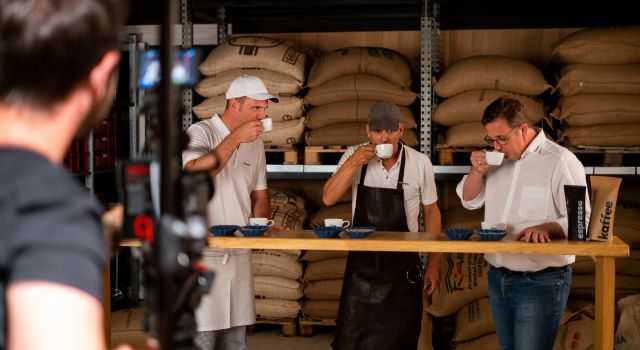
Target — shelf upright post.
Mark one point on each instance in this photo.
(187, 43)
(133, 95)
(429, 57)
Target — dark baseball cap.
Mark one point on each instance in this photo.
(384, 116)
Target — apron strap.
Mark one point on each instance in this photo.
(401, 175)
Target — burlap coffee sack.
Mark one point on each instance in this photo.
(486, 342)
(628, 331)
(272, 263)
(473, 320)
(275, 287)
(336, 211)
(288, 216)
(257, 52)
(461, 217)
(384, 63)
(606, 135)
(596, 109)
(577, 334)
(323, 289)
(359, 87)
(469, 106)
(294, 253)
(626, 226)
(491, 72)
(463, 279)
(583, 286)
(129, 319)
(289, 108)
(349, 111)
(321, 308)
(599, 79)
(625, 265)
(277, 308)
(285, 196)
(329, 269)
(611, 45)
(466, 134)
(348, 134)
(284, 133)
(276, 83)
(317, 255)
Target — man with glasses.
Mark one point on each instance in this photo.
(527, 293)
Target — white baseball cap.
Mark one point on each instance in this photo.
(249, 86)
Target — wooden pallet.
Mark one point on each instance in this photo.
(290, 153)
(307, 323)
(312, 153)
(446, 153)
(608, 156)
(288, 324)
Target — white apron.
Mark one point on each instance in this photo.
(230, 301)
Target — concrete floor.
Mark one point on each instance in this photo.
(269, 337)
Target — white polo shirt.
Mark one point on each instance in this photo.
(527, 192)
(244, 172)
(419, 183)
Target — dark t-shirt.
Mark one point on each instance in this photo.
(50, 228)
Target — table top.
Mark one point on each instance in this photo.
(412, 242)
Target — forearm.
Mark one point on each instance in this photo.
(433, 223)
(216, 159)
(472, 185)
(260, 204)
(338, 184)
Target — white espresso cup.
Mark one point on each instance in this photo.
(384, 150)
(336, 222)
(493, 225)
(267, 124)
(261, 221)
(494, 157)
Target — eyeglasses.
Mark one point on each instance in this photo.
(501, 140)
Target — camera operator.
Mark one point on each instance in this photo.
(228, 146)
(57, 65)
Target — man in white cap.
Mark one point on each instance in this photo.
(229, 147)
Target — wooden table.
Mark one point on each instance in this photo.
(603, 253)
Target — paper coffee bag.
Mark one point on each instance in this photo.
(604, 195)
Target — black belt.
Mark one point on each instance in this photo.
(506, 271)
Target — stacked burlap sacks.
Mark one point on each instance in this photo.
(323, 275)
(276, 279)
(280, 64)
(277, 273)
(470, 84)
(625, 226)
(463, 292)
(343, 84)
(127, 327)
(324, 270)
(599, 84)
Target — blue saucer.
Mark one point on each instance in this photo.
(327, 231)
(359, 232)
(223, 230)
(253, 230)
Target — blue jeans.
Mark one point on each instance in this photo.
(527, 309)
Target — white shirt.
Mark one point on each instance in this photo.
(418, 184)
(229, 302)
(527, 192)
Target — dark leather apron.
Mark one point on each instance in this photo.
(381, 301)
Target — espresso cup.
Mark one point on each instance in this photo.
(336, 222)
(493, 225)
(267, 124)
(261, 221)
(384, 150)
(494, 158)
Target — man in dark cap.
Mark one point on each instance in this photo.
(381, 301)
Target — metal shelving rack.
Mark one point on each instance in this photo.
(429, 67)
